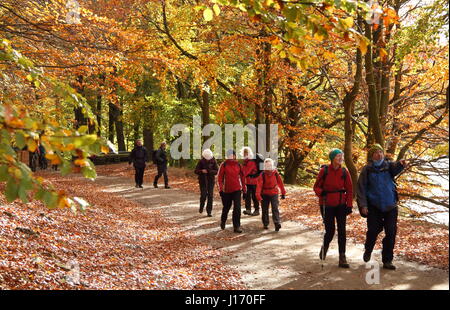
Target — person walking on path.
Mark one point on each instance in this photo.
(206, 170)
(231, 183)
(269, 184)
(334, 188)
(161, 164)
(250, 171)
(377, 200)
(139, 157)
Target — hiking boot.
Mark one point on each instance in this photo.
(389, 266)
(237, 230)
(323, 252)
(222, 225)
(246, 212)
(343, 261)
(277, 227)
(255, 213)
(366, 256)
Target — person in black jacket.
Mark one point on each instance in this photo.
(139, 156)
(206, 170)
(161, 163)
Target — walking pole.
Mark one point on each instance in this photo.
(322, 251)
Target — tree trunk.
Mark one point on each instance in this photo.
(374, 131)
(349, 101)
(119, 127)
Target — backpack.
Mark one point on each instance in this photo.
(264, 179)
(325, 174)
(155, 161)
(258, 160)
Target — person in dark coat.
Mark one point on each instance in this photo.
(161, 164)
(377, 200)
(138, 156)
(206, 170)
(231, 183)
(334, 188)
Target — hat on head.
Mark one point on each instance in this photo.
(333, 153)
(207, 154)
(373, 149)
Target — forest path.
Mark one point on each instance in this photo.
(266, 259)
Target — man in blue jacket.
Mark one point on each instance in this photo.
(377, 199)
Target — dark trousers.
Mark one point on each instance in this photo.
(251, 195)
(376, 222)
(234, 199)
(329, 216)
(139, 175)
(206, 193)
(274, 202)
(162, 170)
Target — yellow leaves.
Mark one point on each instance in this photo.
(15, 122)
(55, 160)
(383, 54)
(362, 44)
(81, 162)
(296, 50)
(347, 22)
(68, 147)
(208, 14)
(329, 55)
(32, 145)
(104, 149)
(216, 9)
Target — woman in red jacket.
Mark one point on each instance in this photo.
(231, 183)
(334, 189)
(250, 171)
(267, 192)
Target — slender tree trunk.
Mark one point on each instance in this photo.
(349, 101)
(80, 119)
(111, 121)
(119, 127)
(374, 131)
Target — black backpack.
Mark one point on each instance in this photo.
(155, 161)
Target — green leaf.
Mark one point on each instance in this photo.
(50, 199)
(11, 190)
(20, 139)
(89, 173)
(4, 173)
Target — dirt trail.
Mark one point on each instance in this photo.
(266, 259)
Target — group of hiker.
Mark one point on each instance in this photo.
(258, 183)
(376, 197)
